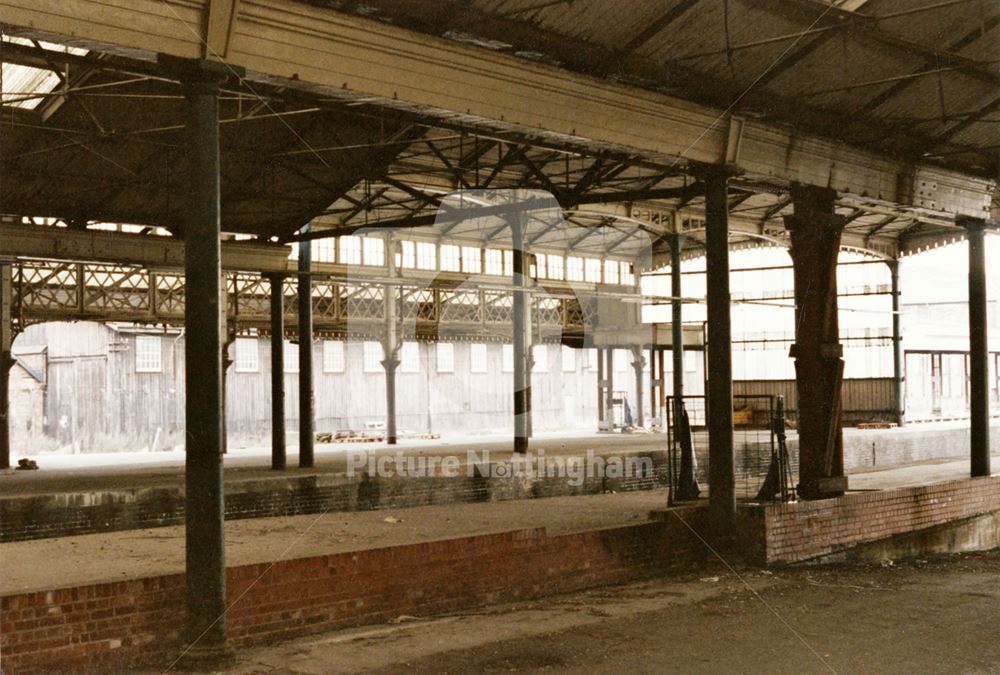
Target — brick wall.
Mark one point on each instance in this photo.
(66, 514)
(806, 530)
(137, 623)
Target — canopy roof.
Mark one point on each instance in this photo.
(98, 136)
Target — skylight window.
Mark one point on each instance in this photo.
(25, 86)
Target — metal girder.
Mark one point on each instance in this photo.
(33, 241)
(657, 26)
(331, 53)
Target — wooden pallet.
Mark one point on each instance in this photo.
(876, 425)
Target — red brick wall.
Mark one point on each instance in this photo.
(804, 530)
(138, 622)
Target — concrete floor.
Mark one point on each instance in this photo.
(924, 616)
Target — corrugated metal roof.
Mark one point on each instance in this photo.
(768, 58)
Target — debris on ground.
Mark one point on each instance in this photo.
(26, 464)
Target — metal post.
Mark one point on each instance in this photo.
(529, 374)
(899, 401)
(307, 402)
(227, 361)
(206, 626)
(654, 382)
(600, 388)
(390, 348)
(979, 385)
(521, 383)
(278, 451)
(609, 388)
(664, 413)
(687, 486)
(637, 364)
(6, 359)
(721, 466)
(815, 231)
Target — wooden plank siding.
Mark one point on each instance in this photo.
(95, 400)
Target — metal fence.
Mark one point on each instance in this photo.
(756, 441)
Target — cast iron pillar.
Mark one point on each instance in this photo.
(278, 450)
(609, 387)
(520, 328)
(815, 231)
(979, 384)
(654, 383)
(721, 462)
(205, 566)
(307, 401)
(6, 359)
(391, 345)
(638, 362)
(600, 388)
(899, 399)
(687, 486)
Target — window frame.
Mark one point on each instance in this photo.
(150, 341)
(240, 365)
(445, 365)
(339, 364)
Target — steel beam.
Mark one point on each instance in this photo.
(979, 384)
(721, 466)
(206, 625)
(278, 449)
(60, 243)
(307, 403)
(815, 230)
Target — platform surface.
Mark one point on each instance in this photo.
(73, 561)
(129, 470)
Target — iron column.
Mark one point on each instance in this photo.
(391, 345)
(979, 384)
(637, 363)
(899, 401)
(205, 628)
(721, 466)
(278, 453)
(600, 388)
(307, 403)
(609, 388)
(687, 486)
(519, 338)
(6, 359)
(815, 231)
